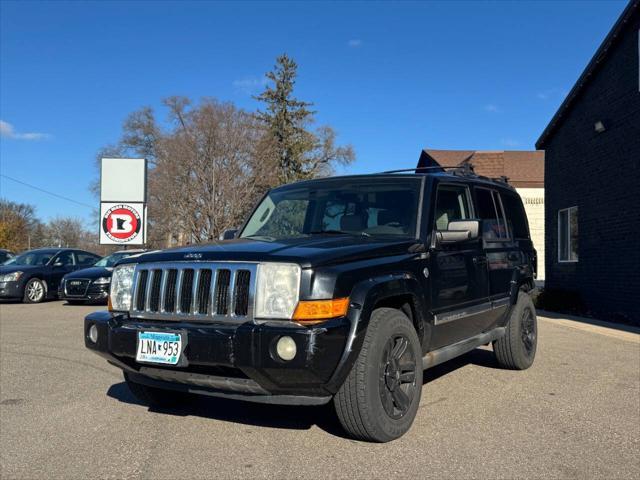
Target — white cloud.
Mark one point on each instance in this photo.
(551, 93)
(490, 107)
(510, 142)
(8, 131)
(250, 85)
(354, 43)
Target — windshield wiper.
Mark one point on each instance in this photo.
(339, 232)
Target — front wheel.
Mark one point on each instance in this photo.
(379, 399)
(517, 349)
(34, 291)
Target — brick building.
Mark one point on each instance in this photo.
(523, 169)
(592, 168)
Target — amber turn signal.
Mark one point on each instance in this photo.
(316, 311)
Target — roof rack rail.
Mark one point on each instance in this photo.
(463, 169)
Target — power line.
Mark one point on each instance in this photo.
(46, 191)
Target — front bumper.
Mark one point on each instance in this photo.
(235, 361)
(11, 290)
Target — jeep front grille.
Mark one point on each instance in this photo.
(199, 291)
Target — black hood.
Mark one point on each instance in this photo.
(305, 251)
(90, 273)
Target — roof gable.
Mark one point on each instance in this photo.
(612, 38)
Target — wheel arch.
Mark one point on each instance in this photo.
(401, 291)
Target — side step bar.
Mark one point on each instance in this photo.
(443, 354)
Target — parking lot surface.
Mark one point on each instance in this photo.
(65, 413)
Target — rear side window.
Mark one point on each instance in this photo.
(86, 258)
(452, 203)
(494, 228)
(516, 216)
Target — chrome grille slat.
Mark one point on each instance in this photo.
(178, 300)
(163, 288)
(194, 291)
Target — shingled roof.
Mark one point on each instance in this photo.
(523, 169)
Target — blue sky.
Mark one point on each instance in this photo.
(392, 78)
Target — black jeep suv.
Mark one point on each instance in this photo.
(340, 289)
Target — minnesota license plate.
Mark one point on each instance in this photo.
(159, 347)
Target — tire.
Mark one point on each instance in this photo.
(155, 397)
(517, 349)
(379, 399)
(35, 291)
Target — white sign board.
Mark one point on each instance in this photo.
(123, 197)
(122, 223)
(123, 180)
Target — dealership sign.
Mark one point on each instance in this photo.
(123, 192)
(121, 223)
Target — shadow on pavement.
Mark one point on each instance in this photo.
(285, 416)
(590, 321)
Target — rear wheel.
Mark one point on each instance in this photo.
(379, 399)
(155, 397)
(34, 291)
(517, 349)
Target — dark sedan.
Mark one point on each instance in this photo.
(35, 275)
(92, 284)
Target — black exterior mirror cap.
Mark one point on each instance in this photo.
(229, 234)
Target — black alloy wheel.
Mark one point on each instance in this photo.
(397, 377)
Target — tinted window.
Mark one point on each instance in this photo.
(372, 207)
(65, 258)
(490, 212)
(31, 258)
(112, 259)
(516, 216)
(86, 258)
(451, 204)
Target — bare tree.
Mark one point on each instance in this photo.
(202, 167)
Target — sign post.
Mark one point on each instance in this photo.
(123, 201)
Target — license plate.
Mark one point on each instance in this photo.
(159, 347)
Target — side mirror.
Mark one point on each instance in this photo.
(229, 234)
(459, 231)
(58, 264)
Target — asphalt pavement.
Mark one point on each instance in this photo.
(65, 413)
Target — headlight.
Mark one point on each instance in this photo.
(277, 290)
(122, 287)
(102, 281)
(11, 277)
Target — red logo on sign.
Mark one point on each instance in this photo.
(121, 223)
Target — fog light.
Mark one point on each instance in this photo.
(286, 348)
(93, 333)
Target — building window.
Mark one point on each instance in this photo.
(568, 235)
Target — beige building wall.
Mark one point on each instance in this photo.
(533, 199)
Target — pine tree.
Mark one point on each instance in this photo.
(285, 119)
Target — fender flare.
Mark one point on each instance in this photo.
(364, 296)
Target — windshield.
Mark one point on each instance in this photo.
(112, 259)
(368, 208)
(31, 258)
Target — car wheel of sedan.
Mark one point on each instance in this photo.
(34, 291)
(379, 399)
